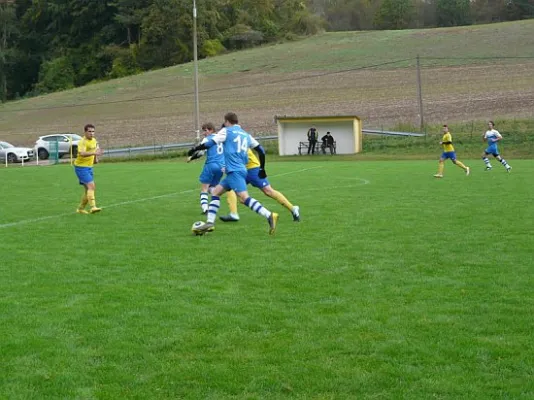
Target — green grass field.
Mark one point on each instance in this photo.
(394, 285)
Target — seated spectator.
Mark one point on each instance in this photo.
(328, 141)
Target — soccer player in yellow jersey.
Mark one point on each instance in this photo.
(253, 178)
(88, 152)
(448, 153)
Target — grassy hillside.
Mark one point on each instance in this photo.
(462, 81)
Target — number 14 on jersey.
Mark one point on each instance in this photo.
(242, 143)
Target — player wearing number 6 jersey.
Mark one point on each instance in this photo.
(236, 143)
(212, 171)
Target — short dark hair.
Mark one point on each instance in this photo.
(493, 123)
(445, 126)
(208, 126)
(88, 126)
(231, 117)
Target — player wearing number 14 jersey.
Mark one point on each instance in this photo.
(236, 143)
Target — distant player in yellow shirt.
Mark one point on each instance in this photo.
(88, 152)
(448, 153)
(253, 178)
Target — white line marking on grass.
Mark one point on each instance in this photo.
(338, 187)
(124, 203)
(365, 181)
(29, 221)
(296, 172)
(302, 193)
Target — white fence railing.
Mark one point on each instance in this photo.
(162, 148)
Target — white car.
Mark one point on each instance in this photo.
(46, 145)
(14, 154)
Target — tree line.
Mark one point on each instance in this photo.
(52, 45)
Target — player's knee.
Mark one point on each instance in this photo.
(268, 191)
(217, 190)
(243, 196)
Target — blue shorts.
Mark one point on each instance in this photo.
(448, 155)
(211, 174)
(255, 180)
(236, 181)
(492, 149)
(84, 174)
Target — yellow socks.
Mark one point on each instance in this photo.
(440, 168)
(84, 201)
(461, 165)
(279, 197)
(231, 198)
(91, 198)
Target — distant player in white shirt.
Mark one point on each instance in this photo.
(492, 136)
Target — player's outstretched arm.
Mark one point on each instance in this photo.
(204, 145)
(219, 137)
(194, 149)
(261, 155)
(196, 155)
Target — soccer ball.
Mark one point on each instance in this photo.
(194, 228)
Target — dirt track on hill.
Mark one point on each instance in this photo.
(382, 98)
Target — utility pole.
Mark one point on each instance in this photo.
(420, 96)
(195, 62)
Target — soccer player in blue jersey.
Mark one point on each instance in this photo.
(492, 136)
(236, 143)
(213, 167)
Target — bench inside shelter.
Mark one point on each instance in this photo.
(319, 147)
